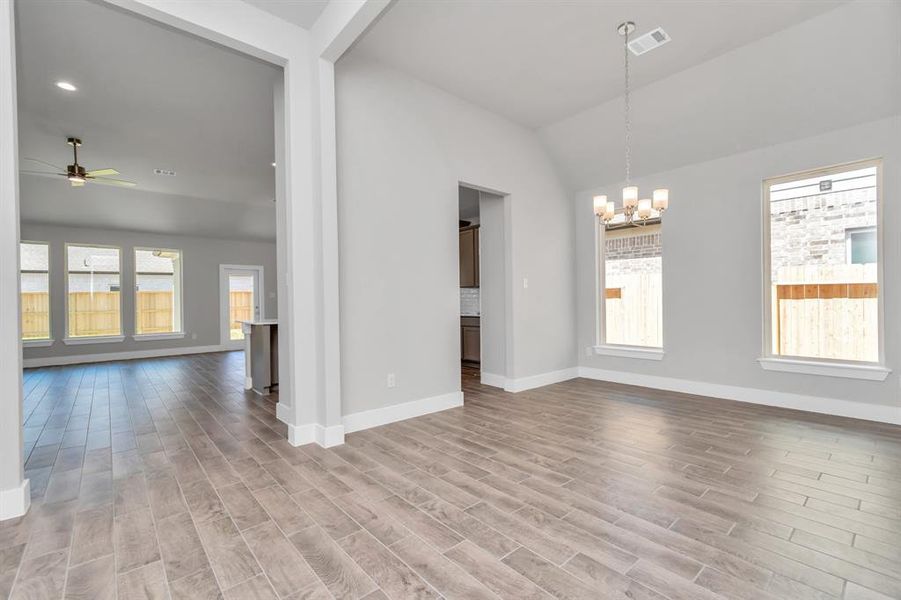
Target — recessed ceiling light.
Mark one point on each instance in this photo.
(65, 85)
(273, 164)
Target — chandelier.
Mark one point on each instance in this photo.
(636, 212)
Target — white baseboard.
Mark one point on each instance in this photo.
(309, 433)
(400, 412)
(14, 502)
(828, 406)
(493, 380)
(76, 359)
(535, 381)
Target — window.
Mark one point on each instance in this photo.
(93, 292)
(822, 264)
(632, 272)
(34, 274)
(157, 291)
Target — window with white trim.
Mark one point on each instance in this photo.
(631, 263)
(157, 291)
(34, 284)
(822, 264)
(93, 291)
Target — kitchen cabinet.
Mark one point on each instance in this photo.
(469, 256)
(470, 339)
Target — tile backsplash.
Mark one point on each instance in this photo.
(469, 302)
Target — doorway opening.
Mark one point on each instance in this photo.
(483, 223)
(240, 299)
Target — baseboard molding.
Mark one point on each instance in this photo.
(14, 502)
(815, 404)
(309, 433)
(498, 381)
(400, 412)
(536, 381)
(77, 359)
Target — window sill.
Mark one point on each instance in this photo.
(629, 351)
(149, 337)
(37, 343)
(871, 372)
(106, 339)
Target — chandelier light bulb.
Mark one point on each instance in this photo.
(661, 199)
(630, 196)
(610, 211)
(600, 204)
(644, 208)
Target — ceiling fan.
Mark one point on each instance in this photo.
(77, 175)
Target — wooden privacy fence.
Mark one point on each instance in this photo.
(827, 320)
(35, 315)
(155, 312)
(94, 313)
(240, 308)
(634, 313)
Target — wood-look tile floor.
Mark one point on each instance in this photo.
(163, 479)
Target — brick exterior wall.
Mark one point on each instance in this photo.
(812, 230)
(633, 254)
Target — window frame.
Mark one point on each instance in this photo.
(179, 282)
(834, 367)
(38, 342)
(601, 347)
(100, 339)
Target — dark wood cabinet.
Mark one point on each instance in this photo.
(469, 256)
(470, 339)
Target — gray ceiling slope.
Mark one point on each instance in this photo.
(148, 97)
(737, 75)
(542, 61)
(820, 75)
(300, 12)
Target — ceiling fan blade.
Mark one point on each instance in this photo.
(102, 172)
(43, 162)
(118, 182)
(42, 173)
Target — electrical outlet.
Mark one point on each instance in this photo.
(392, 381)
(588, 350)
(525, 282)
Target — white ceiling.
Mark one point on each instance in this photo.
(299, 12)
(148, 97)
(541, 61)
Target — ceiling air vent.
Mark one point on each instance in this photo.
(166, 172)
(648, 41)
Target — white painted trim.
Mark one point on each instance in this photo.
(629, 351)
(310, 433)
(37, 343)
(105, 339)
(248, 383)
(400, 412)
(828, 369)
(493, 380)
(75, 359)
(149, 337)
(535, 381)
(829, 406)
(14, 502)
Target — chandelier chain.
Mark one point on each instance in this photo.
(628, 109)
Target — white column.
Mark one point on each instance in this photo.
(15, 496)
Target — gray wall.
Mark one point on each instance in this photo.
(201, 259)
(403, 148)
(712, 278)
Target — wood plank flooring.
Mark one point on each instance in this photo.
(162, 478)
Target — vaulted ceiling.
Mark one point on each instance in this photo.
(737, 75)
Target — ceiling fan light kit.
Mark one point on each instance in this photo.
(635, 211)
